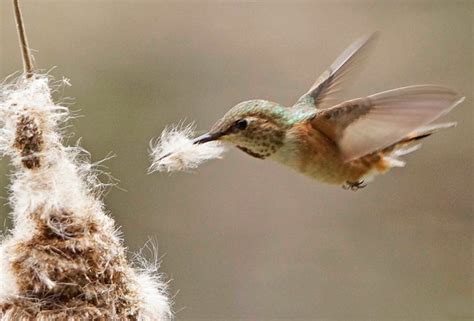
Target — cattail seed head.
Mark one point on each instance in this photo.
(63, 259)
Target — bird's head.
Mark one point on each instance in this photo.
(257, 127)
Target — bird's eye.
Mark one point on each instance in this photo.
(241, 124)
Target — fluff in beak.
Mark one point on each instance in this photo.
(177, 150)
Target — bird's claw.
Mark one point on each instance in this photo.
(354, 186)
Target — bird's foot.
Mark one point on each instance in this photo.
(354, 186)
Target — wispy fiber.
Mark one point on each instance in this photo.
(175, 151)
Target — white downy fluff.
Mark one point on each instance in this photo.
(175, 151)
(64, 259)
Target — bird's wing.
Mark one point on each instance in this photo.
(364, 125)
(321, 94)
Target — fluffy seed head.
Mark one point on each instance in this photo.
(64, 259)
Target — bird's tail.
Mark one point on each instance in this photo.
(405, 146)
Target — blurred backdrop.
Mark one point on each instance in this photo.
(252, 240)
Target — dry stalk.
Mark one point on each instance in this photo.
(25, 49)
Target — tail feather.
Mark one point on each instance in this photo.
(393, 153)
(426, 131)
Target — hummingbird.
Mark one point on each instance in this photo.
(346, 143)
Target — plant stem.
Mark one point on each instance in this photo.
(25, 49)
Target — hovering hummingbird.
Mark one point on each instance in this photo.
(346, 143)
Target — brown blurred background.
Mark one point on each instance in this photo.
(252, 240)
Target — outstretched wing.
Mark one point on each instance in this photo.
(321, 93)
(364, 125)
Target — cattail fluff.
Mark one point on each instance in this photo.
(63, 259)
(175, 151)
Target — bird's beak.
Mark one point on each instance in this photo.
(208, 137)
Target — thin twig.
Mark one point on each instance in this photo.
(25, 49)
